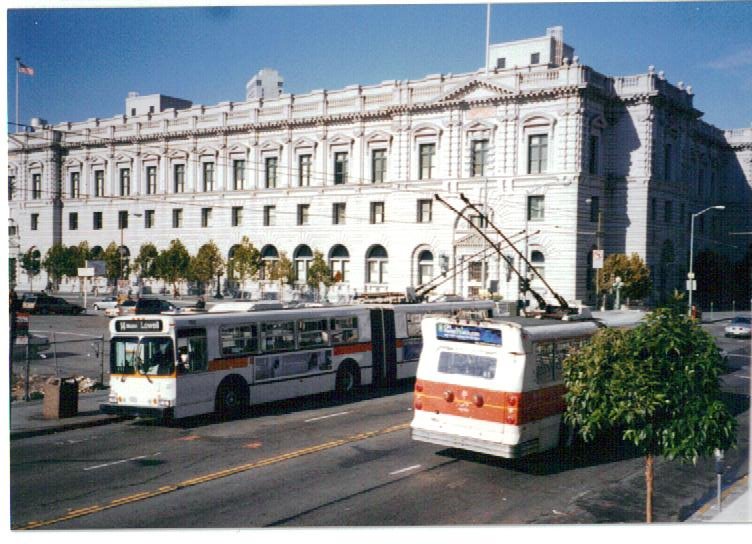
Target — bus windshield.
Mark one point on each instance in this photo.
(153, 356)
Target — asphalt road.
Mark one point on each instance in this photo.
(316, 462)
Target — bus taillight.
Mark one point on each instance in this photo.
(449, 396)
(419, 387)
(478, 400)
(418, 404)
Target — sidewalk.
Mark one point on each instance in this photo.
(735, 506)
(26, 417)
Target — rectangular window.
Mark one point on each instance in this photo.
(122, 219)
(535, 58)
(73, 221)
(312, 333)
(425, 160)
(270, 216)
(378, 166)
(535, 208)
(208, 176)
(98, 182)
(478, 221)
(34, 221)
(75, 185)
(11, 186)
(238, 340)
(36, 186)
(425, 210)
(148, 219)
(177, 218)
(125, 181)
(340, 168)
(475, 271)
(377, 212)
(594, 150)
(179, 178)
(667, 162)
(279, 336)
(304, 170)
(537, 153)
(205, 217)
(271, 172)
(96, 221)
(151, 180)
(501, 63)
(338, 213)
(343, 330)
(595, 206)
(303, 210)
(479, 157)
(668, 211)
(237, 216)
(238, 175)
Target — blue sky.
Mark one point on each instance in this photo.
(86, 60)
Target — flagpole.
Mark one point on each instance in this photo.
(18, 67)
(488, 31)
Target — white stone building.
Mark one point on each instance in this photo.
(543, 145)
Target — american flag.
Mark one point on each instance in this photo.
(28, 70)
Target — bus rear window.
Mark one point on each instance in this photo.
(466, 364)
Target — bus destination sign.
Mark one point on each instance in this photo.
(467, 333)
(141, 325)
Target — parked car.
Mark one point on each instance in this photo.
(46, 304)
(153, 306)
(127, 307)
(740, 327)
(107, 302)
(37, 344)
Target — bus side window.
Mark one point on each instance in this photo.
(413, 324)
(312, 333)
(278, 336)
(344, 330)
(238, 340)
(192, 344)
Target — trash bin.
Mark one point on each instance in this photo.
(60, 398)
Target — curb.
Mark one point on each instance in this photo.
(16, 435)
(705, 512)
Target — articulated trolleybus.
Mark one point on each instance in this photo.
(494, 386)
(174, 366)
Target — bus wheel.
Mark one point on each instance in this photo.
(348, 379)
(232, 398)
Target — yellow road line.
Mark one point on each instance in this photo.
(137, 497)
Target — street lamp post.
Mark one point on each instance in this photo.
(691, 274)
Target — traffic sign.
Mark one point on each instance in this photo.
(691, 285)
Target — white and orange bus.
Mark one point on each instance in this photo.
(495, 386)
(174, 366)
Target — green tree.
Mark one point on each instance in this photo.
(282, 270)
(145, 264)
(207, 264)
(113, 262)
(172, 264)
(658, 384)
(31, 262)
(634, 274)
(245, 261)
(319, 271)
(60, 261)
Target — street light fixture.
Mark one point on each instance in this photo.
(691, 274)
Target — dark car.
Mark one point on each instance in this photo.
(46, 304)
(153, 306)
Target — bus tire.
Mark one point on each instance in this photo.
(233, 397)
(348, 379)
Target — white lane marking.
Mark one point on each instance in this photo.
(400, 471)
(121, 461)
(326, 417)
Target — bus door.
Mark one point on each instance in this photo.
(384, 347)
(193, 381)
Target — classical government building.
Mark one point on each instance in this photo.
(543, 143)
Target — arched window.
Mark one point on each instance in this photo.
(376, 265)
(425, 266)
(302, 257)
(339, 262)
(539, 262)
(269, 256)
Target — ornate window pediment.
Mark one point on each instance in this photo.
(476, 91)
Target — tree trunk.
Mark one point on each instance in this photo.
(649, 488)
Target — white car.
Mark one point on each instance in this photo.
(740, 327)
(107, 302)
(128, 307)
